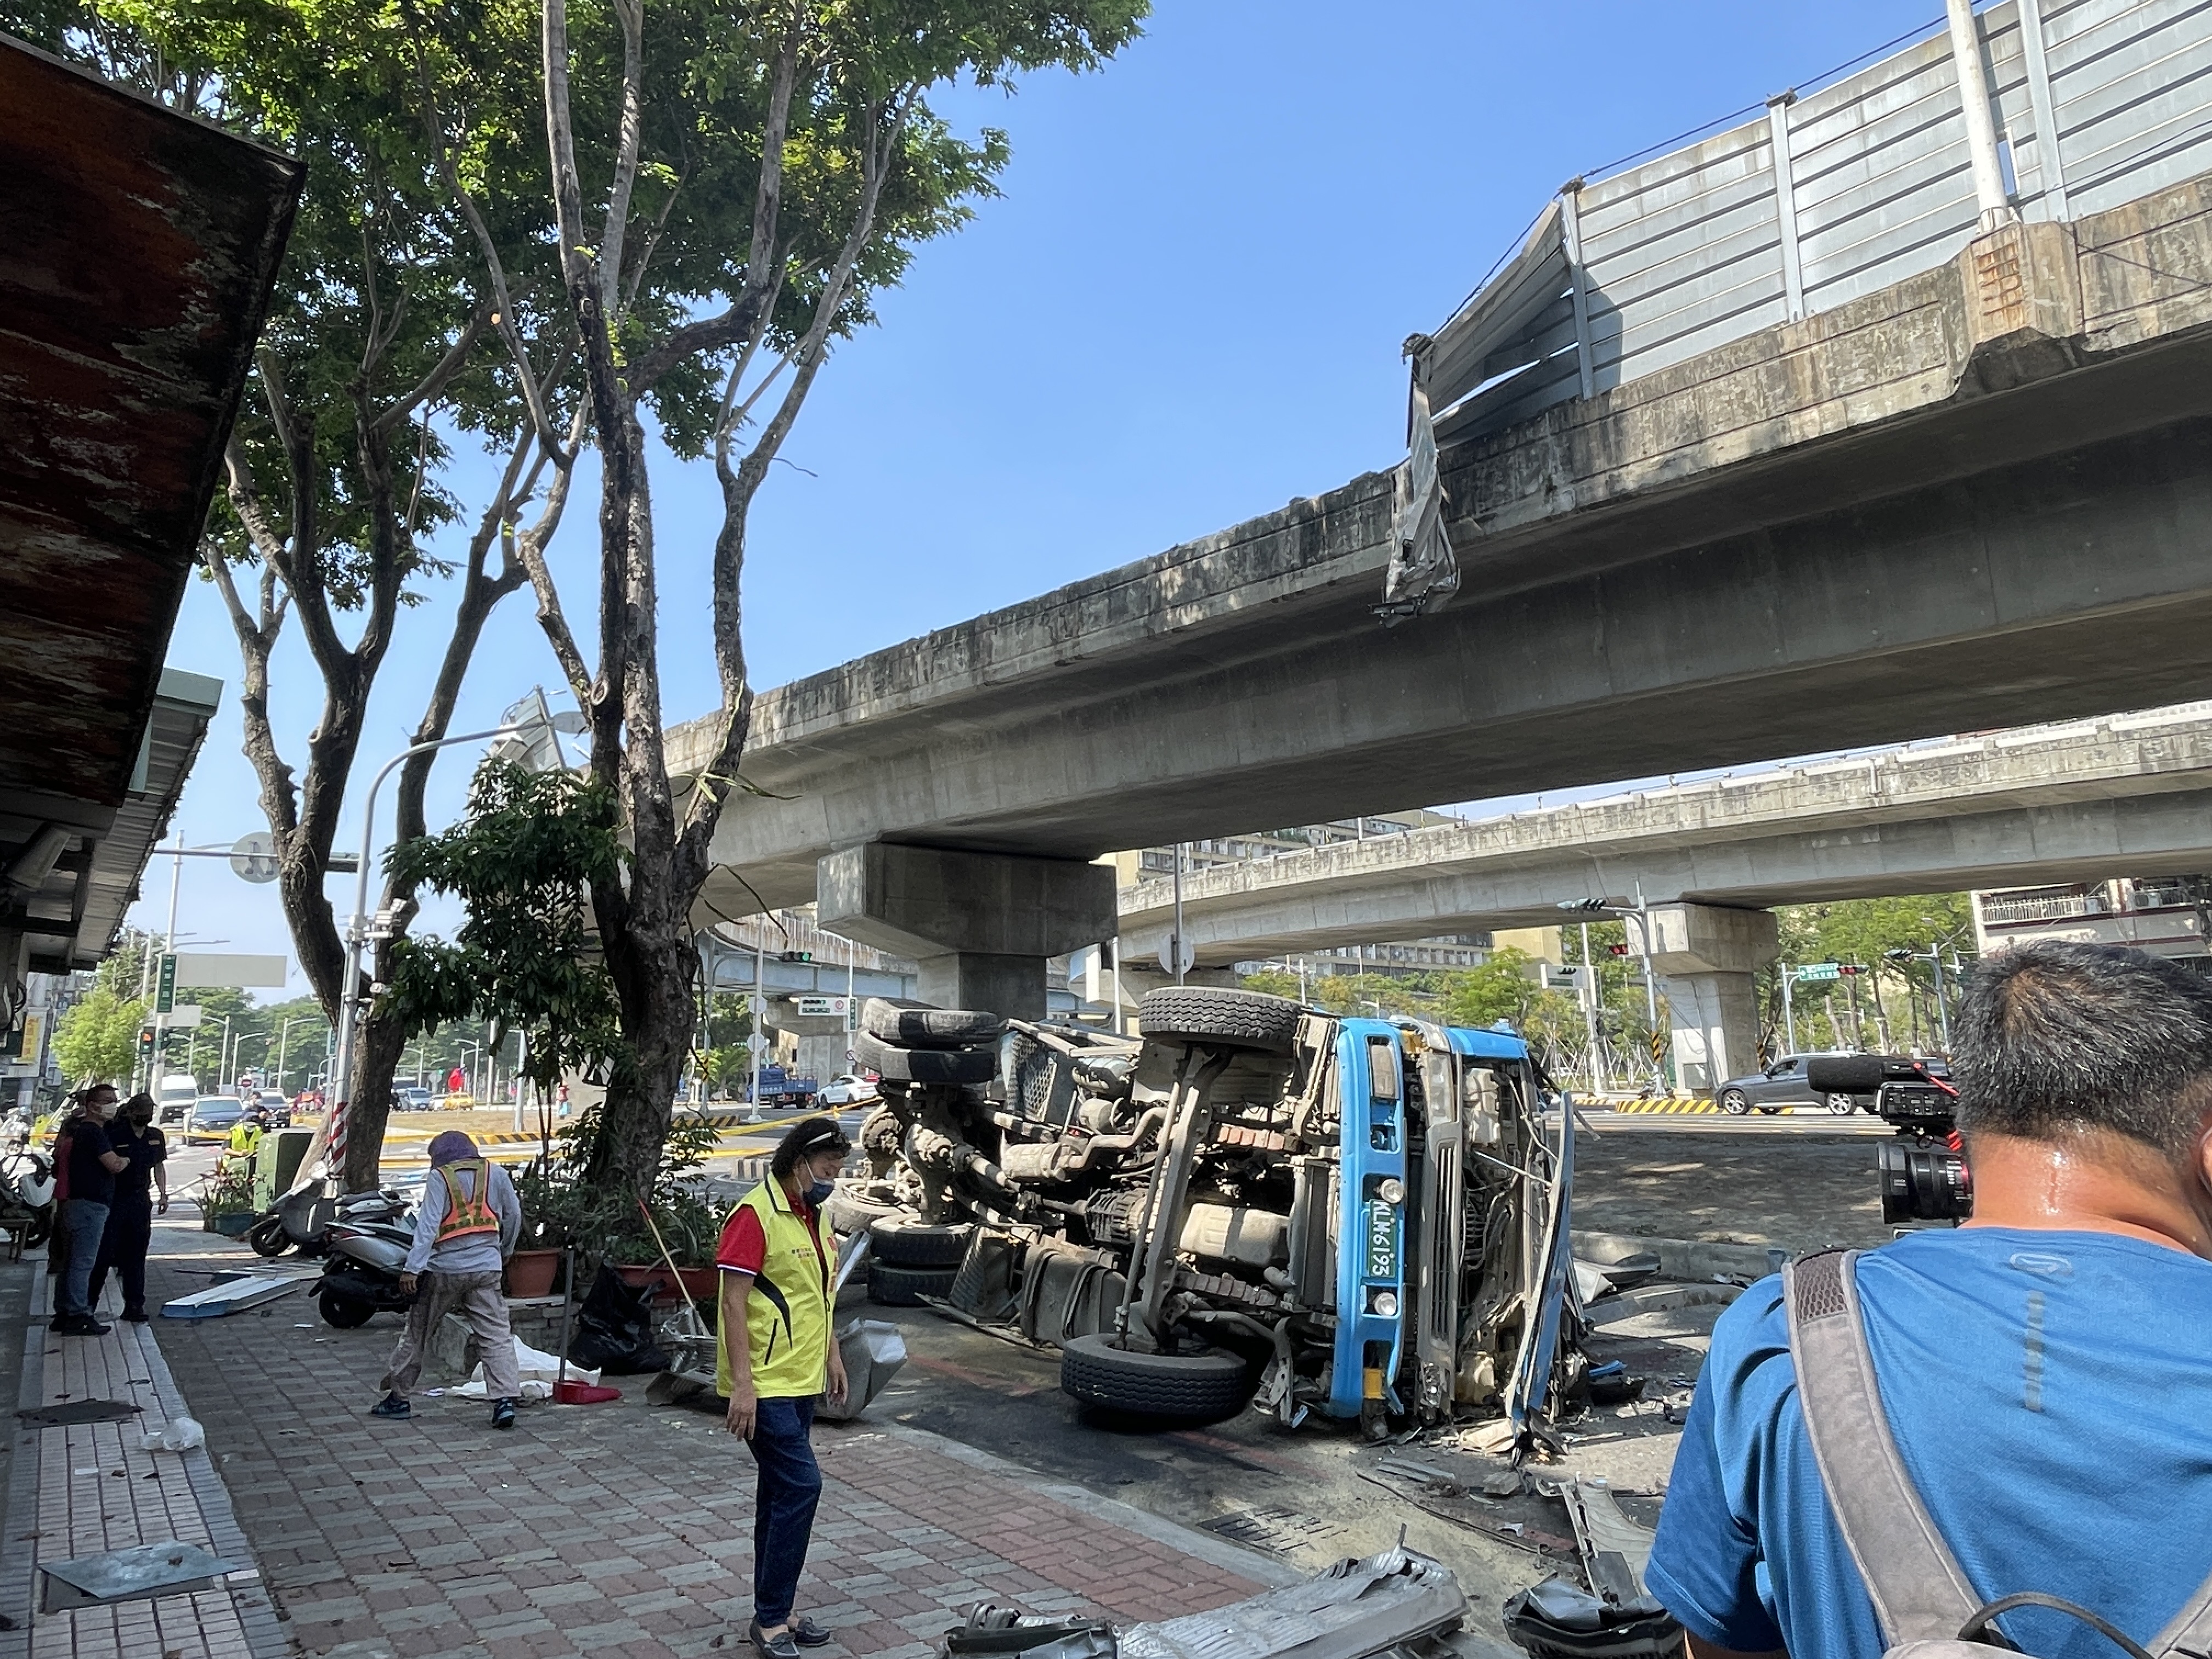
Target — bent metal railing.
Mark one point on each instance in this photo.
(1828, 197)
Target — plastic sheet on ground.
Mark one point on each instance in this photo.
(539, 1372)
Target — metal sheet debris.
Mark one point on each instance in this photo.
(137, 1574)
(1279, 1531)
(1356, 1608)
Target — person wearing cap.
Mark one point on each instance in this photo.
(132, 1209)
(777, 1267)
(465, 1230)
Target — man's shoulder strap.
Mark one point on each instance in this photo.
(1919, 1592)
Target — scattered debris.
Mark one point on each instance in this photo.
(1278, 1531)
(76, 1411)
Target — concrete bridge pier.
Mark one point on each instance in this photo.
(1705, 955)
(979, 926)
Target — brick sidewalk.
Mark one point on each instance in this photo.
(619, 1529)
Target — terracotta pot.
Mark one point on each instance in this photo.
(701, 1282)
(531, 1273)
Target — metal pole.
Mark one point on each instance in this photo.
(759, 1005)
(1981, 132)
(341, 1080)
(1789, 1014)
(1942, 1013)
(1174, 939)
(1650, 982)
(1589, 1007)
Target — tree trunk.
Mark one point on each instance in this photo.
(378, 1044)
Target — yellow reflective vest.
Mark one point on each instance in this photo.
(245, 1140)
(787, 1314)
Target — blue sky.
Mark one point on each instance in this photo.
(1185, 309)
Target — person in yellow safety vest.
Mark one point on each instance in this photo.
(245, 1139)
(465, 1230)
(777, 1263)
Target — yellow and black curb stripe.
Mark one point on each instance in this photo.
(1668, 1105)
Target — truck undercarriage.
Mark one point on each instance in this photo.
(1362, 1219)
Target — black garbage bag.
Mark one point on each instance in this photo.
(613, 1329)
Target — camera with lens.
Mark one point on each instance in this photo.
(1922, 1172)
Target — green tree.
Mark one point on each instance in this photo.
(97, 1040)
(521, 862)
(729, 189)
(1893, 1003)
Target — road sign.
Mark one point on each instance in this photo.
(1809, 973)
(1169, 952)
(165, 986)
(1558, 978)
(253, 858)
(826, 1008)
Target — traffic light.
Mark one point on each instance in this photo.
(146, 1044)
(1617, 950)
(794, 955)
(1849, 968)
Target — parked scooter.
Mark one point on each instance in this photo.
(301, 1220)
(26, 1191)
(361, 1275)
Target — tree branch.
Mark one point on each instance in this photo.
(631, 15)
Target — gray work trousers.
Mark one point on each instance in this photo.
(476, 1299)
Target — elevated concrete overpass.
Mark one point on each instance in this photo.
(2024, 807)
(1976, 495)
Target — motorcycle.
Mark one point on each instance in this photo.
(360, 1273)
(301, 1220)
(27, 1192)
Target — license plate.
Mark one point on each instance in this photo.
(1381, 1241)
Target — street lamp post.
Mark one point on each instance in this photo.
(1642, 912)
(341, 1082)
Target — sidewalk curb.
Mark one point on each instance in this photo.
(19, 1576)
(1264, 1569)
(249, 1592)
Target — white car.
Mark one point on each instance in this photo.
(849, 1090)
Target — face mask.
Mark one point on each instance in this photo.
(818, 1194)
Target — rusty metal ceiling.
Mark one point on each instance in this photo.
(138, 249)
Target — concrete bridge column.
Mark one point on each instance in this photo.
(1705, 955)
(979, 926)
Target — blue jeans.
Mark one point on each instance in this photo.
(790, 1486)
(84, 1223)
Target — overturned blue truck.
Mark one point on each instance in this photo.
(1255, 1203)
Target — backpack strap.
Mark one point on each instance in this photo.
(2188, 1634)
(1919, 1592)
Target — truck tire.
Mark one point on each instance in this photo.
(847, 1212)
(925, 1065)
(891, 1286)
(1200, 1387)
(1220, 1019)
(908, 1241)
(906, 1024)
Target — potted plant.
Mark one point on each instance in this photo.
(226, 1201)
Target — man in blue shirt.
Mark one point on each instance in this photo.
(2042, 1369)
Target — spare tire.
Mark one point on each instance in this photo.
(1220, 1019)
(1199, 1387)
(909, 1241)
(925, 1065)
(906, 1024)
(893, 1286)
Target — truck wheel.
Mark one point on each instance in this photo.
(847, 1212)
(1197, 1387)
(903, 1242)
(905, 1024)
(891, 1286)
(925, 1065)
(1220, 1019)
(347, 1313)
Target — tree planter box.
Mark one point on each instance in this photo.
(231, 1224)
